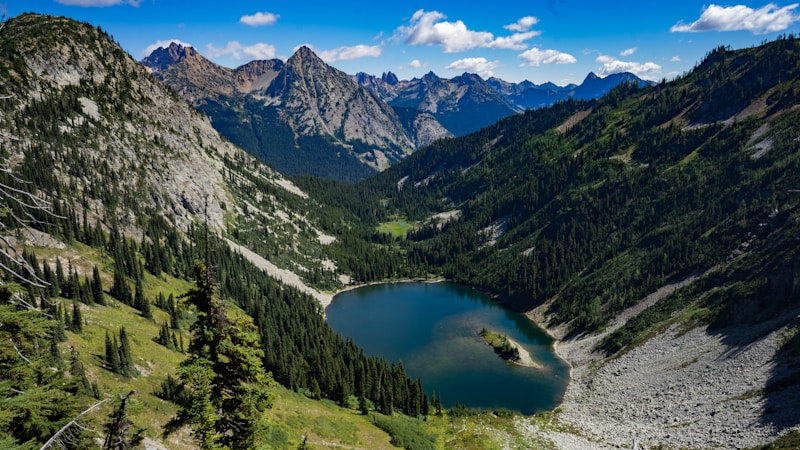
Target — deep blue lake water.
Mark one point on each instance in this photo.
(433, 329)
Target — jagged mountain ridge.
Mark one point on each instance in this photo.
(455, 100)
(305, 117)
(462, 104)
(197, 79)
(301, 116)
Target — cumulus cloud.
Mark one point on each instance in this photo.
(536, 57)
(647, 71)
(675, 58)
(514, 42)
(238, 51)
(353, 52)
(523, 24)
(259, 19)
(98, 3)
(767, 19)
(628, 52)
(431, 28)
(481, 66)
(163, 44)
(415, 64)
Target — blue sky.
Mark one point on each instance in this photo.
(548, 40)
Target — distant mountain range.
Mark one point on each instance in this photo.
(468, 103)
(305, 117)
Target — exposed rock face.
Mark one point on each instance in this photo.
(319, 99)
(462, 104)
(257, 75)
(152, 148)
(427, 129)
(189, 74)
(309, 98)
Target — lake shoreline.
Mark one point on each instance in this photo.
(531, 390)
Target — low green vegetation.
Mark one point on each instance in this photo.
(405, 432)
(500, 344)
(396, 228)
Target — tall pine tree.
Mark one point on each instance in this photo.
(226, 384)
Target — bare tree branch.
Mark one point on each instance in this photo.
(55, 439)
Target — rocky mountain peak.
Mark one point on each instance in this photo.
(430, 77)
(390, 78)
(469, 78)
(163, 58)
(591, 76)
(305, 57)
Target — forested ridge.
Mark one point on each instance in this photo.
(589, 206)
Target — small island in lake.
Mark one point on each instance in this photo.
(507, 348)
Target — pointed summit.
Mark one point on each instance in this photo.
(390, 78)
(591, 77)
(163, 58)
(305, 57)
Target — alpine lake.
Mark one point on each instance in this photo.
(433, 328)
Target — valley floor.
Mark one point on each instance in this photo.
(684, 388)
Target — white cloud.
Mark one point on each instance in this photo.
(238, 51)
(523, 24)
(481, 66)
(536, 57)
(354, 52)
(415, 64)
(767, 19)
(675, 58)
(647, 71)
(514, 42)
(98, 3)
(163, 44)
(259, 19)
(430, 28)
(628, 52)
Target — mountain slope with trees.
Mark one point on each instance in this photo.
(580, 211)
(116, 173)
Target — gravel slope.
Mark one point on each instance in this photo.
(684, 388)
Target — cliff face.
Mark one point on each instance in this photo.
(349, 125)
(318, 99)
(122, 141)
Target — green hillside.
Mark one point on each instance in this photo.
(113, 188)
(589, 206)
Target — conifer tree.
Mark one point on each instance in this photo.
(112, 354)
(97, 287)
(76, 324)
(227, 387)
(140, 302)
(120, 289)
(60, 279)
(34, 398)
(49, 278)
(125, 355)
